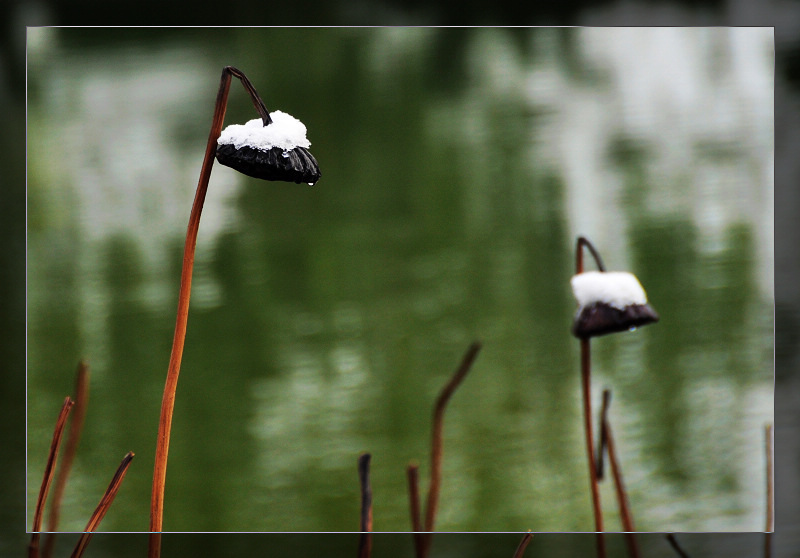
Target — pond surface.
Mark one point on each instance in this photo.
(458, 168)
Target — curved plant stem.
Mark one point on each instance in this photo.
(102, 507)
(49, 469)
(586, 371)
(584, 242)
(437, 439)
(616, 472)
(73, 437)
(170, 387)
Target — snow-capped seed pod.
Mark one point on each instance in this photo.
(277, 151)
(609, 301)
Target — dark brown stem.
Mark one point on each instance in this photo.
(102, 507)
(523, 544)
(769, 528)
(365, 539)
(603, 442)
(587, 416)
(49, 469)
(584, 242)
(70, 449)
(254, 96)
(674, 544)
(437, 440)
(412, 472)
(586, 371)
(616, 472)
(170, 387)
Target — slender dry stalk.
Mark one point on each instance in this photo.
(49, 469)
(523, 544)
(586, 367)
(102, 508)
(171, 384)
(70, 449)
(412, 472)
(603, 443)
(365, 539)
(616, 472)
(769, 528)
(674, 544)
(437, 439)
(586, 371)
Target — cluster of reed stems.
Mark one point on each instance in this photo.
(422, 532)
(79, 404)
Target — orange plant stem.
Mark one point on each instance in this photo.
(49, 470)
(70, 449)
(102, 507)
(170, 387)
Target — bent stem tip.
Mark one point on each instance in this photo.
(105, 503)
(437, 438)
(49, 470)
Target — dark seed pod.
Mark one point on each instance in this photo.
(292, 165)
(601, 318)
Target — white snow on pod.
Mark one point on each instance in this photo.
(618, 289)
(285, 132)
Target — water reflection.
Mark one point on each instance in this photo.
(324, 320)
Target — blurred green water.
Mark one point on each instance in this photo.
(458, 167)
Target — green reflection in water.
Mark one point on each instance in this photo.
(324, 320)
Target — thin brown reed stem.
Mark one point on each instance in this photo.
(603, 442)
(171, 384)
(102, 508)
(365, 539)
(68, 456)
(586, 371)
(622, 496)
(412, 473)
(523, 544)
(586, 368)
(769, 528)
(674, 544)
(49, 469)
(584, 242)
(437, 439)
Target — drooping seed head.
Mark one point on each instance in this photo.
(609, 302)
(278, 151)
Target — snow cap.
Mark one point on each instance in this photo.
(614, 288)
(285, 132)
(610, 301)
